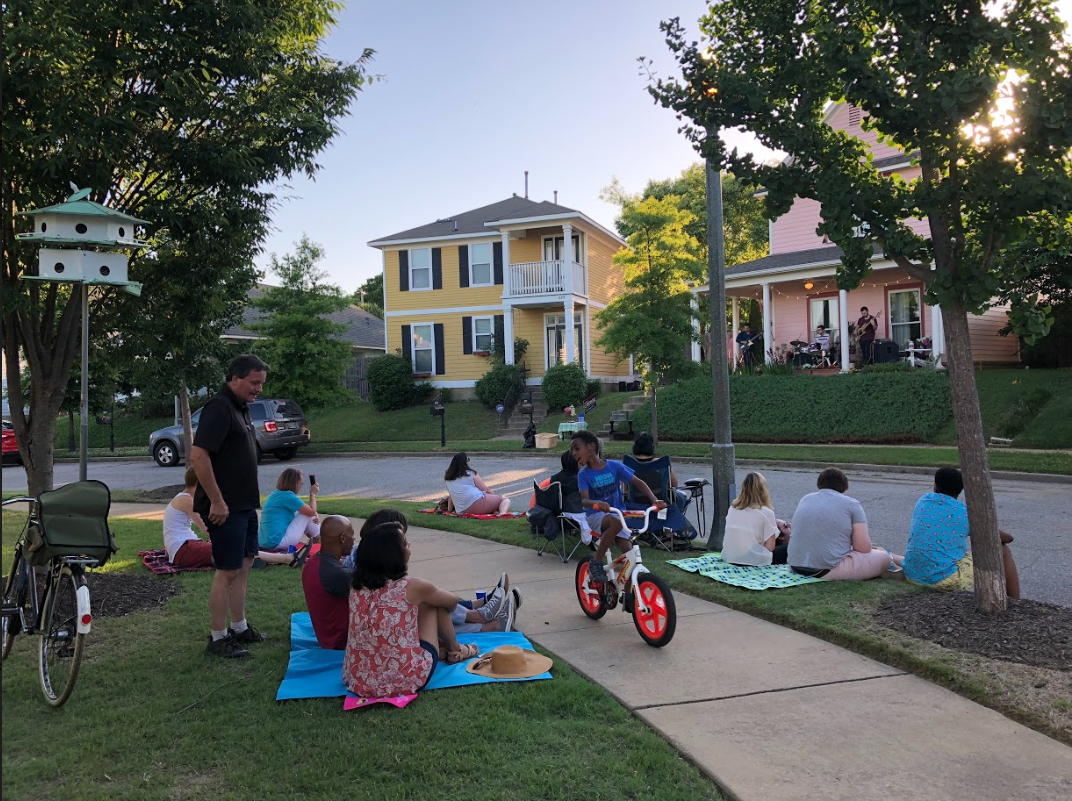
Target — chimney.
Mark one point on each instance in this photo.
(556, 197)
(526, 184)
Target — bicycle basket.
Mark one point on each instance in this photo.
(72, 521)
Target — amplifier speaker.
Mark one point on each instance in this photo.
(885, 351)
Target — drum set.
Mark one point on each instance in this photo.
(810, 353)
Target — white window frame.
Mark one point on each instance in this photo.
(553, 240)
(473, 262)
(413, 268)
(894, 334)
(430, 348)
(490, 334)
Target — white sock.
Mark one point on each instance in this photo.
(219, 635)
(239, 626)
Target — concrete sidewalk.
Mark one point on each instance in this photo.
(768, 713)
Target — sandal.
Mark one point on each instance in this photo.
(465, 652)
(301, 555)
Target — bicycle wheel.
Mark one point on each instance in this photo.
(61, 643)
(589, 596)
(15, 595)
(656, 625)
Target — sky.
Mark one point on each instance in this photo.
(470, 95)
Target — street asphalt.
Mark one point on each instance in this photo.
(1037, 514)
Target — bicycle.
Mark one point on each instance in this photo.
(641, 593)
(63, 540)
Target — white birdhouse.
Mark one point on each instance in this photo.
(93, 267)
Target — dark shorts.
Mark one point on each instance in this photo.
(234, 540)
(434, 651)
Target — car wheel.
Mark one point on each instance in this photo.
(166, 453)
(285, 454)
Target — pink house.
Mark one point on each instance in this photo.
(795, 283)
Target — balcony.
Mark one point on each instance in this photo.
(544, 278)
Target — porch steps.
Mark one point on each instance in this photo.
(515, 423)
(629, 407)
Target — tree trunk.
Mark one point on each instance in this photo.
(187, 426)
(70, 430)
(654, 413)
(978, 489)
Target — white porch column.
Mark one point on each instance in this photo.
(768, 328)
(508, 330)
(695, 346)
(937, 336)
(567, 283)
(843, 328)
(506, 268)
(735, 304)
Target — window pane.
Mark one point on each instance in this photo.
(482, 325)
(481, 274)
(420, 279)
(420, 258)
(422, 336)
(422, 361)
(483, 342)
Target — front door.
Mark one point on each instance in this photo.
(555, 338)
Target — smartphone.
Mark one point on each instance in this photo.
(312, 479)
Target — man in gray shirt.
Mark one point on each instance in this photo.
(830, 537)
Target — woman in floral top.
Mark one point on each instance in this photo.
(395, 621)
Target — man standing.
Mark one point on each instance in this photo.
(746, 341)
(224, 456)
(865, 330)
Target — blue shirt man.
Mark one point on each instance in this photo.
(937, 539)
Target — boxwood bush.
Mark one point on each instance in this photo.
(498, 382)
(390, 380)
(880, 407)
(564, 385)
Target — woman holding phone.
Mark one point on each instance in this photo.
(286, 520)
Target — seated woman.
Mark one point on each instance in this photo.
(399, 626)
(752, 531)
(186, 549)
(469, 495)
(644, 451)
(286, 520)
(571, 495)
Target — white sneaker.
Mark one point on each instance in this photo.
(517, 597)
(507, 613)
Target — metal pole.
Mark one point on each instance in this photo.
(443, 429)
(722, 458)
(83, 434)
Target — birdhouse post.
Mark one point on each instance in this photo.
(83, 243)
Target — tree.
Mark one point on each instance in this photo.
(983, 94)
(369, 296)
(157, 107)
(652, 319)
(306, 358)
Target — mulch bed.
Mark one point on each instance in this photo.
(1030, 632)
(119, 594)
(158, 495)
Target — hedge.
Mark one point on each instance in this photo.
(890, 407)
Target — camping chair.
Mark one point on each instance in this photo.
(656, 474)
(550, 498)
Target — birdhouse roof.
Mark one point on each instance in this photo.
(78, 204)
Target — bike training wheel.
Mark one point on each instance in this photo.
(61, 643)
(656, 626)
(589, 596)
(15, 595)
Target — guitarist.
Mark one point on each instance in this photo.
(865, 330)
(745, 340)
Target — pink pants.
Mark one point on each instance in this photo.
(488, 505)
(858, 566)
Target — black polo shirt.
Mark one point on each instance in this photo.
(226, 432)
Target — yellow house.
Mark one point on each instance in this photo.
(500, 271)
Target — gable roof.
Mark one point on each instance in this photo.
(474, 222)
(363, 330)
(790, 261)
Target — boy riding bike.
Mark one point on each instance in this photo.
(600, 484)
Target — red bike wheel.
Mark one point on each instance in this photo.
(589, 595)
(654, 612)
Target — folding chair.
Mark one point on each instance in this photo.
(656, 474)
(550, 498)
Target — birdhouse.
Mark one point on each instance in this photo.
(91, 266)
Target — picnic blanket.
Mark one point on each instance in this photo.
(768, 577)
(435, 511)
(157, 561)
(316, 673)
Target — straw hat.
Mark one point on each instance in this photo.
(510, 662)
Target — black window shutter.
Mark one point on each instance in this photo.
(498, 257)
(440, 355)
(463, 265)
(407, 344)
(467, 335)
(499, 327)
(437, 268)
(403, 271)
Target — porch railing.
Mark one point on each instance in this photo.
(543, 277)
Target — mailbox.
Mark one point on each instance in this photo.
(437, 409)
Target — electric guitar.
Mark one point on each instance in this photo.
(858, 334)
(746, 344)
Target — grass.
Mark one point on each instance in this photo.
(151, 718)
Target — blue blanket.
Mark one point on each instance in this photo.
(316, 673)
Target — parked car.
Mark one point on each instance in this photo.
(280, 425)
(11, 447)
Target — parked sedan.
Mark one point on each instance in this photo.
(11, 447)
(280, 426)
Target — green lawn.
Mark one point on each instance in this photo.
(151, 718)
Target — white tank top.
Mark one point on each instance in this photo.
(178, 528)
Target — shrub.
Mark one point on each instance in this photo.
(390, 380)
(594, 387)
(498, 383)
(886, 407)
(423, 392)
(564, 385)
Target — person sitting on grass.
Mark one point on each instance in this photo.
(600, 483)
(469, 495)
(830, 538)
(186, 549)
(938, 554)
(752, 531)
(286, 520)
(399, 627)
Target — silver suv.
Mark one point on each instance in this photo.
(280, 426)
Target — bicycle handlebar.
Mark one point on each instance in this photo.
(19, 500)
(647, 518)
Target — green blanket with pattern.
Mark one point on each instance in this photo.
(751, 578)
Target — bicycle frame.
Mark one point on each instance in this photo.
(629, 566)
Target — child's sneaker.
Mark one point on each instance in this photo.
(596, 573)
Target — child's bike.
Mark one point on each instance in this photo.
(641, 593)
